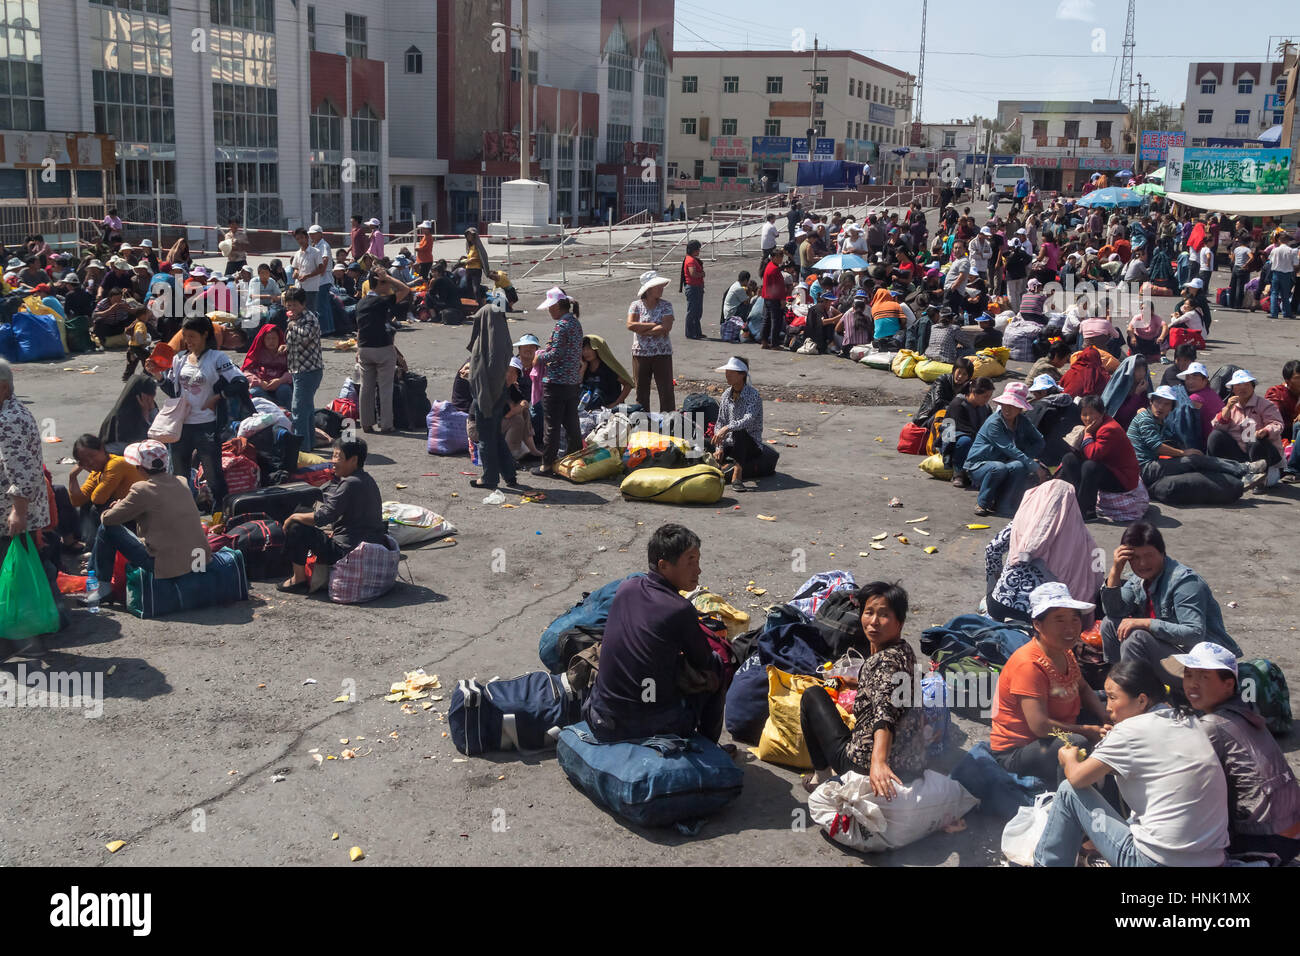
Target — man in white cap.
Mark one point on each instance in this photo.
(1263, 793)
(307, 268)
(324, 305)
(1249, 427)
(424, 249)
(738, 434)
(1004, 456)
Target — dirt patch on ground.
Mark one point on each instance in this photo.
(816, 394)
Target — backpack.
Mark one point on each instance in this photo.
(934, 440)
(1219, 380)
(699, 402)
(839, 618)
(817, 589)
(590, 613)
(411, 405)
(328, 421)
(522, 714)
(912, 439)
(1268, 693)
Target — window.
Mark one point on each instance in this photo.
(311, 28)
(655, 69)
(256, 15)
(861, 94)
(772, 127)
(1040, 129)
(130, 102)
(414, 60)
(1241, 117)
(775, 84)
(366, 147)
(1245, 86)
(161, 8)
(653, 131)
(690, 84)
(1103, 129)
(619, 58)
(514, 65)
(243, 116)
(728, 169)
(22, 80)
(848, 130)
(731, 84)
(823, 85)
(616, 135)
(325, 133)
(1208, 87)
(1281, 87)
(727, 127)
(1204, 116)
(820, 127)
(688, 125)
(949, 139)
(1071, 129)
(354, 32)
(1279, 117)
(262, 183)
(671, 172)
(365, 131)
(699, 169)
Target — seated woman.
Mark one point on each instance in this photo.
(966, 414)
(1162, 608)
(1041, 691)
(1249, 427)
(605, 383)
(889, 319)
(170, 532)
(1046, 541)
(129, 419)
(943, 390)
(353, 509)
(1196, 379)
(1126, 392)
(887, 743)
(1263, 793)
(517, 426)
(266, 366)
(1167, 773)
(738, 434)
(1143, 333)
(1103, 459)
(1003, 456)
(854, 326)
(1185, 327)
(1162, 453)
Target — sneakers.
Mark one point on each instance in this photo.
(1257, 475)
(960, 480)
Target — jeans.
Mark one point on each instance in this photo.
(826, 733)
(960, 448)
(694, 311)
(498, 460)
(560, 408)
(109, 541)
(282, 395)
(1088, 477)
(1002, 483)
(378, 366)
(302, 407)
(1140, 645)
(1079, 815)
(1237, 288)
(325, 308)
(1223, 445)
(1153, 471)
(202, 439)
(1280, 294)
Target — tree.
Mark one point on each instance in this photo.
(1011, 142)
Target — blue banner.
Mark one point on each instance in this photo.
(884, 115)
(771, 147)
(825, 149)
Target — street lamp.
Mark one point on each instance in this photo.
(525, 148)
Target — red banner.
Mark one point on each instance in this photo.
(503, 146)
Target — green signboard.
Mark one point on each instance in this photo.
(1220, 171)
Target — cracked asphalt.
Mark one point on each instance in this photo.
(181, 763)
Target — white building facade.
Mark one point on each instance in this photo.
(1232, 102)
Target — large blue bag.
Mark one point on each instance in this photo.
(818, 588)
(653, 782)
(8, 344)
(590, 614)
(38, 337)
(224, 582)
(521, 714)
(793, 648)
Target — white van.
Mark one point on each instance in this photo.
(1006, 177)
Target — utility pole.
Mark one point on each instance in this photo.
(1137, 139)
(812, 101)
(525, 150)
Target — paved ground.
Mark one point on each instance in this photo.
(181, 763)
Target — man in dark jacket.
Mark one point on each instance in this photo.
(651, 629)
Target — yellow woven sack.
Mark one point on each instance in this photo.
(927, 370)
(987, 365)
(782, 740)
(589, 464)
(935, 468)
(904, 363)
(737, 621)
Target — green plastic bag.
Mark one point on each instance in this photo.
(26, 605)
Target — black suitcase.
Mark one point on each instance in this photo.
(411, 405)
(278, 501)
(328, 421)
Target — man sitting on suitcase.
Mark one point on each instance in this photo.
(651, 628)
(352, 505)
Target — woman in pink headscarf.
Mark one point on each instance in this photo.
(1045, 541)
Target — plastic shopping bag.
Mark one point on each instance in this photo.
(26, 605)
(1021, 834)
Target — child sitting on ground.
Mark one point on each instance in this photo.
(138, 340)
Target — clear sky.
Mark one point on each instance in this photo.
(977, 53)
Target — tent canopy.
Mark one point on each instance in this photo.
(1241, 204)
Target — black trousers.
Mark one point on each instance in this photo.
(773, 321)
(1038, 759)
(560, 410)
(1088, 477)
(301, 539)
(1223, 445)
(204, 440)
(826, 733)
(740, 447)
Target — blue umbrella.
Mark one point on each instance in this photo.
(839, 262)
(1124, 172)
(1110, 197)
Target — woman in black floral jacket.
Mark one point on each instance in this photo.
(886, 743)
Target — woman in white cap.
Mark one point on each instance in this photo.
(738, 434)
(1263, 793)
(169, 534)
(1167, 774)
(650, 320)
(517, 425)
(376, 235)
(561, 380)
(1003, 457)
(1249, 428)
(1041, 691)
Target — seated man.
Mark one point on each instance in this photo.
(1053, 363)
(1159, 455)
(652, 630)
(352, 505)
(172, 541)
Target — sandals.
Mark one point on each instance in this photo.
(299, 587)
(478, 483)
(541, 472)
(982, 512)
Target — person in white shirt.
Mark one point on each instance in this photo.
(1205, 259)
(307, 265)
(768, 243)
(325, 292)
(1167, 773)
(854, 241)
(1240, 276)
(1282, 262)
(262, 293)
(981, 250)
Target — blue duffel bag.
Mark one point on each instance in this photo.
(522, 714)
(224, 582)
(793, 648)
(589, 614)
(654, 782)
(38, 337)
